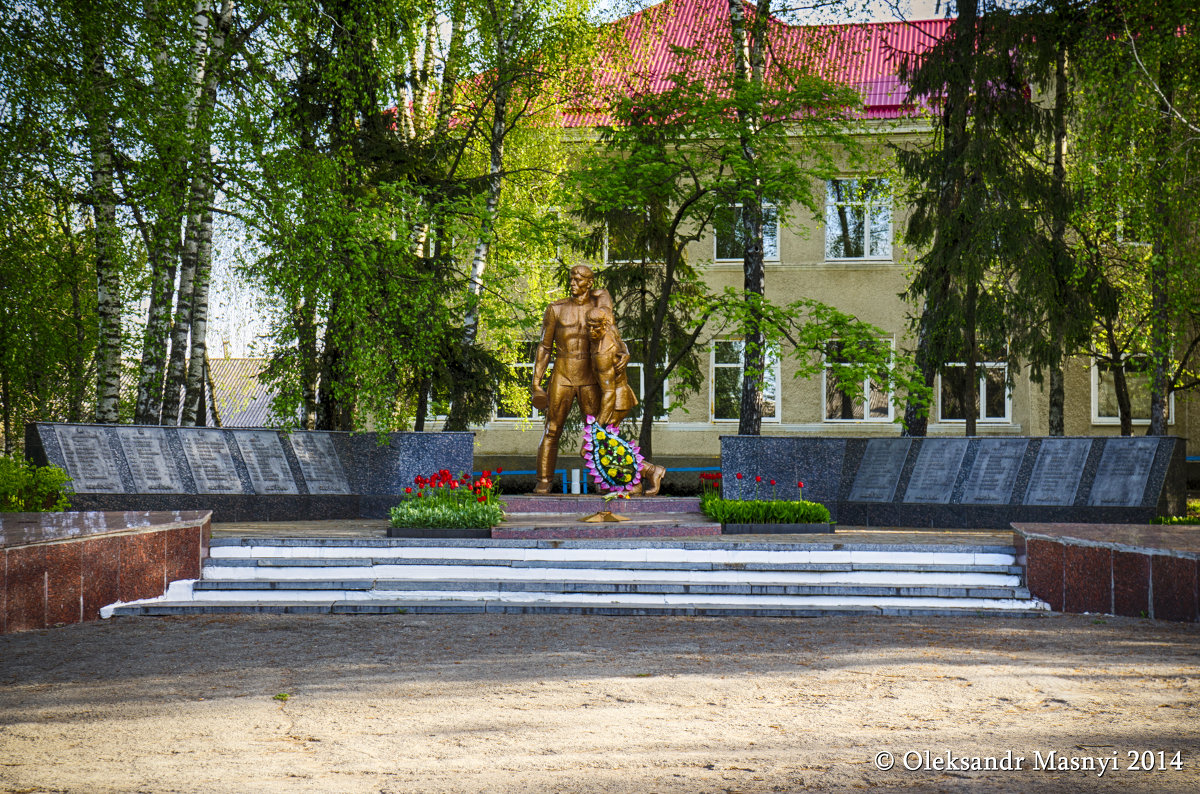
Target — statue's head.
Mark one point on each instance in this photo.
(598, 321)
(581, 280)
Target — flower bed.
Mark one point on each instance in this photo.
(759, 512)
(443, 501)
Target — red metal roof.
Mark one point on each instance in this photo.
(639, 55)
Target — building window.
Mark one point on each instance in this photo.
(995, 400)
(725, 400)
(512, 408)
(731, 240)
(621, 237)
(1105, 410)
(636, 375)
(869, 400)
(858, 219)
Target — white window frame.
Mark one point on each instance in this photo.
(639, 388)
(982, 366)
(867, 206)
(770, 243)
(1097, 419)
(607, 249)
(773, 368)
(865, 396)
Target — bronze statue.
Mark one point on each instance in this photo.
(566, 331)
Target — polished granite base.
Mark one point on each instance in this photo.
(1146, 571)
(61, 568)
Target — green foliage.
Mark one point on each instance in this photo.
(25, 488)
(1179, 520)
(48, 321)
(755, 511)
(1136, 222)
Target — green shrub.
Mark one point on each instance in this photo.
(754, 511)
(25, 488)
(1176, 520)
(432, 514)
(442, 501)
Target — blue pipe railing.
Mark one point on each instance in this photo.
(583, 487)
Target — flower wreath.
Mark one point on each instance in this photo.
(614, 463)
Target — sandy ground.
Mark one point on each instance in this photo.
(445, 703)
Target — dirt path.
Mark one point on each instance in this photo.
(467, 703)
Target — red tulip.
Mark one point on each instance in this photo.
(739, 475)
(758, 478)
(800, 485)
(499, 470)
(408, 490)
(772, 482)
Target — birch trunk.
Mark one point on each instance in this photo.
(176, 375)
(505, 43)
(506, 33)
(104, 224)
(193, 404)
(193, 409)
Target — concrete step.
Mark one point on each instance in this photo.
(692, 577)
(828, 608)
(646, 587)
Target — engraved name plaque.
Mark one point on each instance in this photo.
(212, 464)
(936, 470)
(1123, 472)
(1057, 471)
(319, 463)
(879, 471)
(994, 472)
(263, 453)
(89, 459)
(150, 460)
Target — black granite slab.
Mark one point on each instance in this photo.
(817, 462)
(969, 483)
(243, 474)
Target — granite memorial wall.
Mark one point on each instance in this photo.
(965, 482)
(242, 474)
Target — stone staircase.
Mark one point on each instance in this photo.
(607, 577)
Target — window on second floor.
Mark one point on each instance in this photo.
(725, 403)
(858, 219)
(731, 240)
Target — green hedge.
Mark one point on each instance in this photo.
(753, 511)
(25, 488)
(433, 514)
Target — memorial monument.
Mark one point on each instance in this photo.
(567, 337)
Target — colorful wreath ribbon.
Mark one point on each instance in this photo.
(614, 463)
